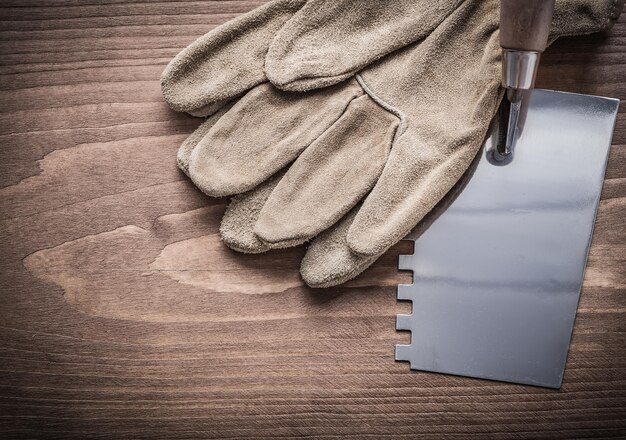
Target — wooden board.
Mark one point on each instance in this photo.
(123, 316)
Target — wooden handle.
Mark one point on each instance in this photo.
(525, 24)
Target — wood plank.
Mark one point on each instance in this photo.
(122, 315)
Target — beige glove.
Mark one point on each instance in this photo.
(406, 129)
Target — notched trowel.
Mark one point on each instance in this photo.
(497, 275)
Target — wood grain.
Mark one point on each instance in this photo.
(123, 316)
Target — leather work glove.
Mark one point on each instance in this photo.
(396, 137)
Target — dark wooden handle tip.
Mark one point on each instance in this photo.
(525, 24)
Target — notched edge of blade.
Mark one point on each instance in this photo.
(403, 353)
(404, 292)
(403, 321)
(405, 262)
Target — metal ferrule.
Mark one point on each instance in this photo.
(519, 68)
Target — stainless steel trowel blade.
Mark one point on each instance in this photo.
(497, 275)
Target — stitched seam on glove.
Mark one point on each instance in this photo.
(390, 108)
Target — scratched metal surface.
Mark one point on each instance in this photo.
(497, 275)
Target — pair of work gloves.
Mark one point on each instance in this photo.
(343, 123)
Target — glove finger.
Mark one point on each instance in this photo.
(415, 179)
(326, 42)
(328, 260)
(331, 175)
(186, 148)
(237, 227)
(580, 17)
(262, 133)
(227, 61)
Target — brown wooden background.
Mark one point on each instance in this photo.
(122, 315)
